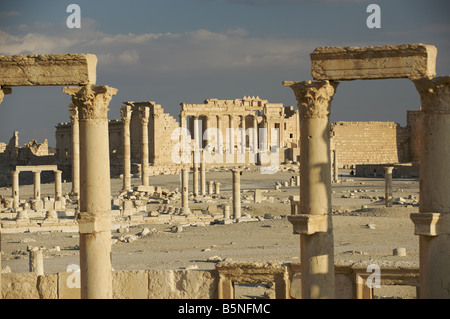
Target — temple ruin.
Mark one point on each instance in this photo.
(94, 149)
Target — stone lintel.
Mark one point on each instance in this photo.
(94, 222)
(307, 224)
(36, 168)
(381, 62)
(48, 69)
(431, 224)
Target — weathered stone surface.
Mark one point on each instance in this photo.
(20, 286)
(51, 69)
(191, 284)
(130, 284)
(48, 286)
(391, 61)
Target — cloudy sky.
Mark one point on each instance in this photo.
(173, 51)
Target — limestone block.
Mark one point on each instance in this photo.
(20, 286)
(130, 284)
(48, 286)
(51, 69)
(182, 284)
(391, 61)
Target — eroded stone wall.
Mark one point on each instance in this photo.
(370, 143)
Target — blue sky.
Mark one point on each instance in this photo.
(175, 51)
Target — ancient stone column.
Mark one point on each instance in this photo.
(156, 138)
(230, 156)
(73, 112)
(217, 187)
(185, 191)
(388, 186)
(243, 144)
(314, 223)
(195, 179)
(219, 136)
(207, 136)
(210, 187)
(144, 114)
(226, 211)
(203, 174)
(125, 114)
(432, 223)
(37, 184)
(237, 193)
(335, 167)
(58, 185)
(255, 138)
(94, 218)
(36, 262)
(15, 189)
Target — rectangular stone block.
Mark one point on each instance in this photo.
(130, 284)
(49, 69)
(391, 61)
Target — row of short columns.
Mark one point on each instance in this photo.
(197, 128)
(36, 186)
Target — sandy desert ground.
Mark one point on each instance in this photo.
(364, 229)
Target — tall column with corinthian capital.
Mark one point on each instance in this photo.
(432, 223)
(144, 114)
(313, 222)
(94, 218)
(73, 113)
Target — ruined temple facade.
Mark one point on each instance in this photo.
(355, 143)
(248, 112)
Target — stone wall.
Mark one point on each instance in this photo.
(127, 284)
(370, 143)
(205, 284)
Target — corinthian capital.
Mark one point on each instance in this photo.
(313, 97)
(4, 91)
(144, 114)
(91, 101)
(434, 94)
(125, 113)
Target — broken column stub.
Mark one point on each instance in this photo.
(50, 69)
(381, 62)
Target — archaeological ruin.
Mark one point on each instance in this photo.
(229, 137)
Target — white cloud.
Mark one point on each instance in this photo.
(196, 51)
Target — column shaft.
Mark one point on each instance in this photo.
(203, 174)
(73, 112)
(125, 111)
(434, 247)
(95, 195)
(15, 189)
(185, 191)
(144, 113)
(388, 186)
(58, 185)
(37, 185)
(236, 193)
